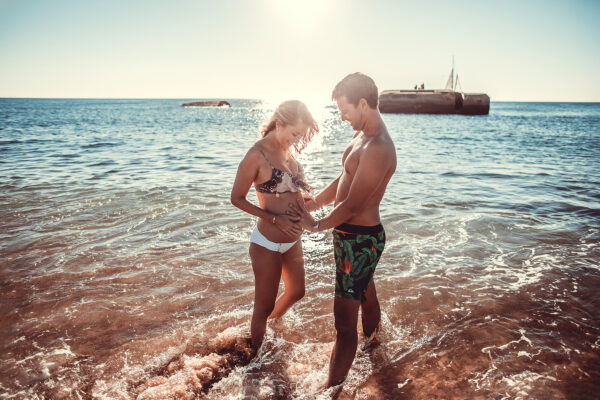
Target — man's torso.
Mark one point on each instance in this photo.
(358, 148)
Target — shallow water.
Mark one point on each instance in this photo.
(123, 264)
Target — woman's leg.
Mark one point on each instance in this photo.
(266, 265)
(293, 279)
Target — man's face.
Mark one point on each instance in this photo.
(350, 113)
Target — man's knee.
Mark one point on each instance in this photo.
(371, 304)
(345, 328)
(346, 315)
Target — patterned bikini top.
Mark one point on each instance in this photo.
(283, 181)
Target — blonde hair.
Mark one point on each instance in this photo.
(289, 113)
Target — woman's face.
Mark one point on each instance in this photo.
(290, 135)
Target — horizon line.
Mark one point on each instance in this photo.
(253, 98)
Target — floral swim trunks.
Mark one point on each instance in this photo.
(357, 250)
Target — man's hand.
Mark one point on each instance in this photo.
(310, 203)
(288, 224)
(306, 220)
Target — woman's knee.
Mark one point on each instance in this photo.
(263, 310)
(298, 294)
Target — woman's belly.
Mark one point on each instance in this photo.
(276, 205)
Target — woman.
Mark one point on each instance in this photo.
(275, 245)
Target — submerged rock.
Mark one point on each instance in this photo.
(219, 103)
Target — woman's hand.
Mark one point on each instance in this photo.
(288, 224)
(305, 219)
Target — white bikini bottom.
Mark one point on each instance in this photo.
(261, 240)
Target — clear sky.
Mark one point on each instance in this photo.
(276, 49)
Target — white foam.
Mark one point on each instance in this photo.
(401, 385)
(520, 384)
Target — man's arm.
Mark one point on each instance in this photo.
(326, 196)
(370, 174)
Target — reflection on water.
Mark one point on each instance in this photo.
(125, 273)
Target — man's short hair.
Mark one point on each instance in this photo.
(357, 86)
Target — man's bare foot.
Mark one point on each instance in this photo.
(372, 340)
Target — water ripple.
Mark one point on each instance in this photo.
(121, 254)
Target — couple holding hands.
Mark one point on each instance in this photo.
(284, 209)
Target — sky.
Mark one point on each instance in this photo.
(280, 49)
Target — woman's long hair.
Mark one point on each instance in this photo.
(289, 113)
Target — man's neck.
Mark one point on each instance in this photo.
(373, 124)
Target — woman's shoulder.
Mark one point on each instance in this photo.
(255, 153)
(263, 150)
(261, 145)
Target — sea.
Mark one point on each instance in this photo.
(125, 274)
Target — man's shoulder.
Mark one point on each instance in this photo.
(380, 153)
(381, 145)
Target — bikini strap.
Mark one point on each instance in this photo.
(266, 158)
(300, 167)
(274, 167)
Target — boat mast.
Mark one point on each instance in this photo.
(458, 85)
(450, 82)
(455, 80)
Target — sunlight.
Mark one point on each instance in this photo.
(316, 102)
(301, 15)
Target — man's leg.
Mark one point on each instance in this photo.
(369, 311)
(346, 316)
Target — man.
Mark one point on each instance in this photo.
(358, 236)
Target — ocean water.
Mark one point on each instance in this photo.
(124, 269)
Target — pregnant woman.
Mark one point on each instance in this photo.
(275, 245)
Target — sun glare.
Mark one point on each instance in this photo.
(316, 102)
(301, 15)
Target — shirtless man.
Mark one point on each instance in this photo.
(358, 236)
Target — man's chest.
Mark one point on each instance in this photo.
(352, 156)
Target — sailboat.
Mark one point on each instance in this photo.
(450, 100)
(452, 83)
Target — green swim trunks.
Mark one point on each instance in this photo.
(357, 250)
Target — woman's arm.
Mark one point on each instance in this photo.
(246, 174)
